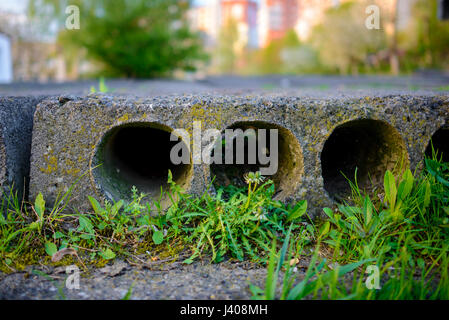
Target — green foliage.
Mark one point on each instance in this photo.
(226, 52)
(298, 211)
(131, 38)
(107, 254)
(404, 233)
(241, 224)
(343, 41)
(151, 38)
(426, 40)
(129, 293)
(287, 55)
(50, 248)
(109, 228)
(372, 228)
(22, 226)
(15, 230)
(395, 283)
(233, 222)
(158, 237)
(101, 87)
(315, 277)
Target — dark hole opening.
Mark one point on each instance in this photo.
(440, 142)
(444, 9)
(138, 155)
(370, 146)
(290, 162)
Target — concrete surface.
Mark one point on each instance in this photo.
(200, 280)
(424, 81)
(69, 129)
(16, 124)
(69, 133)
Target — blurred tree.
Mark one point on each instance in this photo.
(426, 41)
(270, 57)
(297, 57)
(226, 51)
(132, 38)
(299, 60)
(287, 55)
(343, 41)
(393, 51)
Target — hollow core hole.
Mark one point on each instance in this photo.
(290, 160)
(440, 143)
(137, 154)
(370, 146)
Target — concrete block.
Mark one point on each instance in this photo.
(16, 124)
(320, 137)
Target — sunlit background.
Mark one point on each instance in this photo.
(182, 39)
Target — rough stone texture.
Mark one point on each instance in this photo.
(200, 280)
(16, 125)
(68, 131)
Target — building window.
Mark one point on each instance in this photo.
(275, 17)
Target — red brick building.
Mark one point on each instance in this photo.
(244, 12)
(276, 18)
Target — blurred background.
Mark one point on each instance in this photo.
(40, 40)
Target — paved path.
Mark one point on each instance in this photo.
(240, 85)
(200, 280)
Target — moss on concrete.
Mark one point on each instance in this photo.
(74, 130)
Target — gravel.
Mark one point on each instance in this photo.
(200, 280)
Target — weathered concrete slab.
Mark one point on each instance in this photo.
(320, 137)
(16, 124)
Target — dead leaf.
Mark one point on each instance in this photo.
(59, 270)
(61, 253)
(294, 261)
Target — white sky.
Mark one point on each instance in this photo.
(17, 6)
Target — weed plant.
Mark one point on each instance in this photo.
(403, 231)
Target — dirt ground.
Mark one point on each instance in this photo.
(200, 280)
